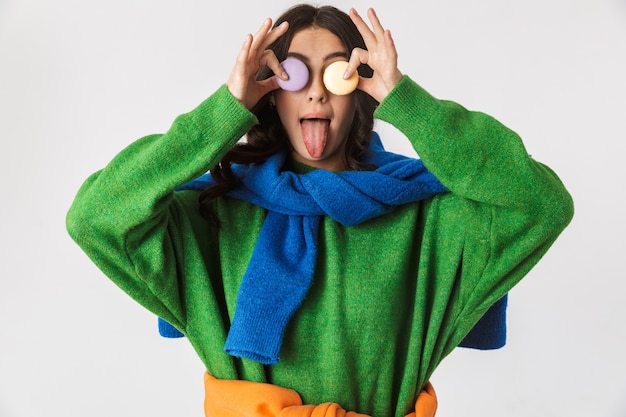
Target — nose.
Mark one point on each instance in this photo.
(317, 90)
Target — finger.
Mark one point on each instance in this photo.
(378, 28)
(259, 36)
(363, 28)
(237, 79)
(265, 36)
(269, 59)
(242, 56)
(390, 45)
(389, 39)
(275, 33)
(357, 57)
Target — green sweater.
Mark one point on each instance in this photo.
(390, 298)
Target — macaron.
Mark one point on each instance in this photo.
(334, 81)
(298, 75)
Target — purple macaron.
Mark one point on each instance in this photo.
(298, 75)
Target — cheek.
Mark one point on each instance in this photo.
(286, 105)
(347, 111)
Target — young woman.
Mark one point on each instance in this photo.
(312, 271)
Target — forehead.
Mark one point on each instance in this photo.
(316, 42)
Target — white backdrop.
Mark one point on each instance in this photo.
(79, 80)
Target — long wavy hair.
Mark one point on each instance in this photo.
(269, 137)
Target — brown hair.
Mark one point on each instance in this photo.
(269, 137)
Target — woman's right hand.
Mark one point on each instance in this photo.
(381, 55)
(252, 56)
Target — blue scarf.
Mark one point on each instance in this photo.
(281, 269)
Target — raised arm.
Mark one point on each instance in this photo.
(127, 218)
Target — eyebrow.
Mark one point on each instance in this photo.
(326, 58)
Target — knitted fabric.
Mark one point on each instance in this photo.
(283, 262)
(489, 333)
(391, 298)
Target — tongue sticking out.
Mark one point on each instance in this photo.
(315, 132)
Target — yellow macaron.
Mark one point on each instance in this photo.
(334, 81)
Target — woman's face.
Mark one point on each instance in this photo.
(317, 121)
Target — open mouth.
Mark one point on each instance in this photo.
(315, 135)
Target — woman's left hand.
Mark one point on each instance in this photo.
(381, 56)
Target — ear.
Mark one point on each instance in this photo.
(272, 101)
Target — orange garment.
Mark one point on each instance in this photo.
(233, 398)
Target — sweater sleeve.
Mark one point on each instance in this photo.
(129, 220)
(486, 165)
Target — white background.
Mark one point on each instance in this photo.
(79, 80)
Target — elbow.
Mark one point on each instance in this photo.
(564, 211)
(555, 209)
(80, 211)
(84, 217)
(76, 223)
(552, 201)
